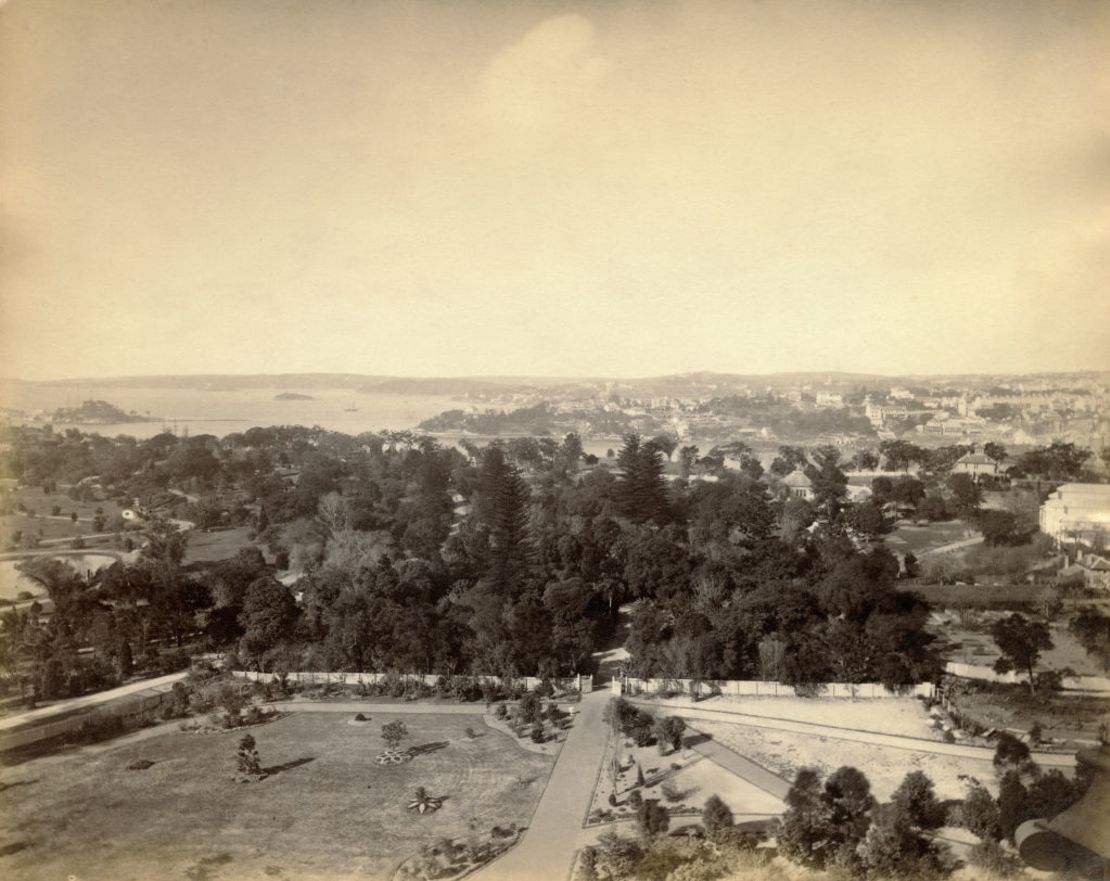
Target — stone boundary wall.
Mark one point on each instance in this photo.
(130, 706)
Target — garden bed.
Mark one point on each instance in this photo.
(680, 781)
(451, 859)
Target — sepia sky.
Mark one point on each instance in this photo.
(622, 189)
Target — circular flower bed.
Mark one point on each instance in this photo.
(392, 757)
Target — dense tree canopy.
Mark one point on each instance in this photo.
(508, 558)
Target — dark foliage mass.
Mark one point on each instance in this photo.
(511, 559)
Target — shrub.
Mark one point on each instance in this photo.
(360, 717)
(917, 800)
(893, 848)
(490, 691)
(989, 856)
(643, 735)
(612, 800)
(979, 814)
(248, 760)
(670, 730)
(1052, 793)
(394, 732)
(231, 700)
(670, 791)
(632, 721)
(822, 820)
(530, 708)
(587, 866)
(393, 684)
(465, 690)
(1051, 680)
(715, 817)
(652, 818)
(502, 712)
(1009, 751)
(176, 705)
(537, 733)
(1013, 804)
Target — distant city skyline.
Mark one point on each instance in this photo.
(554, 189)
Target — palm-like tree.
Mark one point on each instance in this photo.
(423, 802)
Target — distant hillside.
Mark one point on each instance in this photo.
(445, 386)
(96, 412)
(696, 383)
(293, 396)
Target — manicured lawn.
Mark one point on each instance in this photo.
(52, 527)
(978, 596)
(329, 813)
(218, 545)
(42, 503)
(918, 539)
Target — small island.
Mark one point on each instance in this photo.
(98, 413)
(293, 396)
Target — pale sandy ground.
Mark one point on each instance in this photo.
(704, 778)
(902, 716)
(784, 753)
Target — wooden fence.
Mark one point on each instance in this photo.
(581, 684)
(757, 688)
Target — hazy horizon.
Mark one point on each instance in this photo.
(136, 378)
(554, 189)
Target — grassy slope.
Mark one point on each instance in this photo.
(335, 816)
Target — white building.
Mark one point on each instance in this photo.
(1077, 512)
(797, 485)
(976, 465)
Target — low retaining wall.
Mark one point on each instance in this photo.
(754, 687)
(129, 706)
